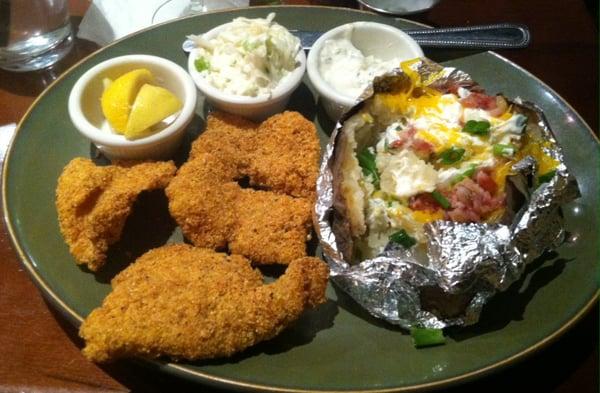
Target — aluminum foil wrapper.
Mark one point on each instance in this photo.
(467, 262)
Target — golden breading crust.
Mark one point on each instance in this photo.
(202, 199)
(213, 211)
(228, 137)
(280, 155)
(191, 303)
(94, 202)
(285, 155)
(270, 227)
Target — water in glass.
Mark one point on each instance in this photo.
(34, 34)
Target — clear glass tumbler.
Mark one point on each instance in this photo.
(34, 34)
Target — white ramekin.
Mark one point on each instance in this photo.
(86, 113)
(254, 108)
(372, 39)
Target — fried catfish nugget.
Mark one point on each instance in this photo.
(213, 211)
(281, 154)
(202, 200)
(285, 155)
(270, 227)
(192, 303)
(93, 203)
(228, 137)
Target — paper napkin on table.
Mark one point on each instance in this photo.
(6, 133)
(108, 20)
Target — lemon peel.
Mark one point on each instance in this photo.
(118, 98)
(152, 105)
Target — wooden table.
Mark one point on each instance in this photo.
(40, 351)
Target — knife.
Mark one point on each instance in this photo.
(494, 36)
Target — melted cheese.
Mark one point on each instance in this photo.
(536, 150)
(437, 119)
(424, 216)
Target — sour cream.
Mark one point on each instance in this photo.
(404, 174)
(347, 70)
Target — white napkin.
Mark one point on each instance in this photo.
(6, 133)
(108, 20)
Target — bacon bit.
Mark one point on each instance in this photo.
(405, 138)
(471, 202)
(452, 86)
(501, 107)
(423, 201)
(398, 143)
(485, 180)
(479, 101)
(422, 147)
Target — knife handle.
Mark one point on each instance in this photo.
(496, 36)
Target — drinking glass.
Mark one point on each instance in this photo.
(34, 34)
(398, 7)
(169, 9)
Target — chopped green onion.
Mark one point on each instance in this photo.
(441, 200)
(507, 151)
(546, 177)
(403, 238)
(366, 160)
(423, 337)
(458, 178)
(451, 155)
(249, 47)
(201, 64)
(468, 173)
(471, 171)
(475, 127)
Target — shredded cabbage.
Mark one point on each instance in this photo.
(249, 57)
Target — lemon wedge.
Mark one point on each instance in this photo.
(118, 98)
(152, 105)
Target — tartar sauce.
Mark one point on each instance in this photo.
(347, 70)
(249, 57)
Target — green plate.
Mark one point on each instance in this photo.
(337, 347)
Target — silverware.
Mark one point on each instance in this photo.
(395, 7)
(496, 36)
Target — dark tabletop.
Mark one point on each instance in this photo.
(40, 351)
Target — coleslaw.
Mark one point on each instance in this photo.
(248, 57)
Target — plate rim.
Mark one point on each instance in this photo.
(200, 377)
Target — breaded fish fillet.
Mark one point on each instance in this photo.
(214, 212)
(285, 155)
(191, 303)
(228, 137)
(270, 227)
(280, 155)
(202, 200)
(93, 203)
